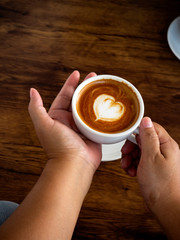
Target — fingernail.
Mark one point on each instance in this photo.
(75, 72)
(147, 123)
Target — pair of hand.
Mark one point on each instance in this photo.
(155, 160)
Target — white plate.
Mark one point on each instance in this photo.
(173, 37)
(111, 152)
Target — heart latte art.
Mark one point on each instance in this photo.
(108, 106)
(107, 109)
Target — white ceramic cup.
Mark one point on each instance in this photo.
(106, 138)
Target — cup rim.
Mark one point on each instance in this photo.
(116, 78)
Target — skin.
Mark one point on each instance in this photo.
(156, 162)
(51, 209)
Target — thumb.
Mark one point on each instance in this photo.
(149, 139)
(37, 111)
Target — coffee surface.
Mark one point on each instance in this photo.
(108, 106)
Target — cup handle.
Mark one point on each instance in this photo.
(132, 137)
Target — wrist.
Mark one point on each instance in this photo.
(164, 207)
(73, 170)
(164, 199)
(167, 212)
(73, 158)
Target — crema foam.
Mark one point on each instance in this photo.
(108, 106)
(107, 109)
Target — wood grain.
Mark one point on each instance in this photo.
(41, 43)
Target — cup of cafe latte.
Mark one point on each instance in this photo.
(107, 109)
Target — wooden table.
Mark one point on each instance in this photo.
(41, 43)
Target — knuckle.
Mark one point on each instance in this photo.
(151, 135)
(65, 99)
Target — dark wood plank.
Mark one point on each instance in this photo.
(41, 43)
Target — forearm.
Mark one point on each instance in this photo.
(168, 215)
(51, 209)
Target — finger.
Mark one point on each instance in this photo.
(63, 99)
(167, 144)
(155, 140)
(126, 161)
(136, 153)
(138, 140)
(132, 171)
(92, 74)
(37, 111)
(150, 145)
(128, 147)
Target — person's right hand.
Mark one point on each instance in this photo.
(156, 162)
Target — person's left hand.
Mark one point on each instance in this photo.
(56, 129)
